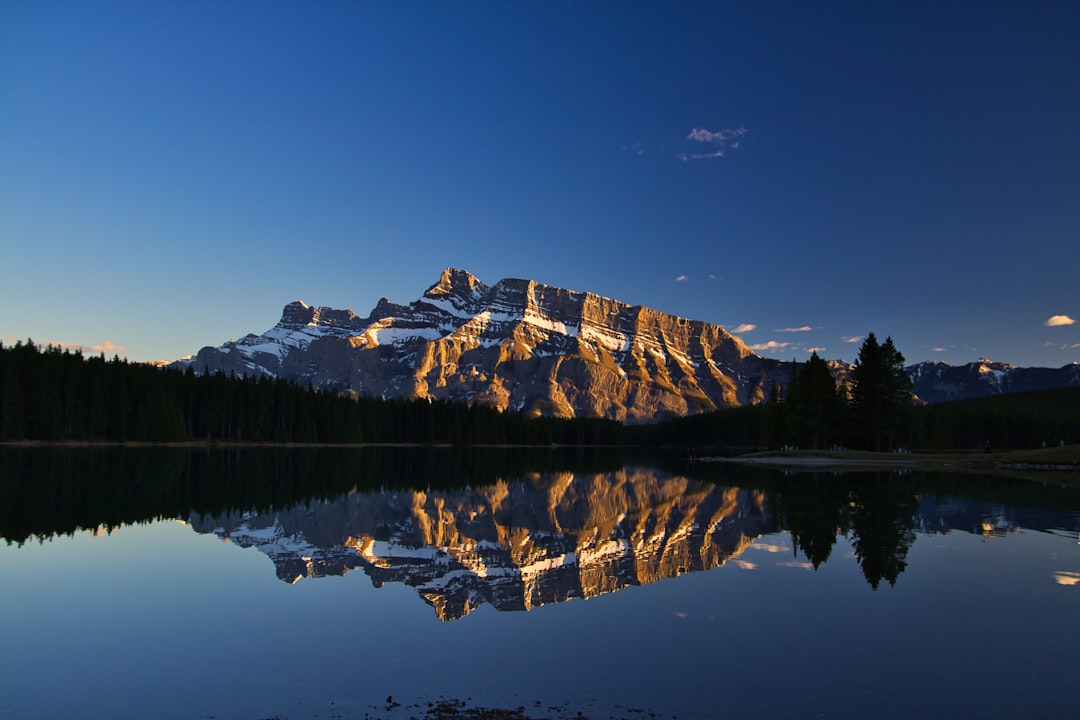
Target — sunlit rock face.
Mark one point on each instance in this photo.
(517, 344)
(514, 545)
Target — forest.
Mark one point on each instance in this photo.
(50, 394)
(54, 395)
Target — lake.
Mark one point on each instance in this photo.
(398, 583)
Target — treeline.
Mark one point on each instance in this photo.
(1013, 421)
(50, 394)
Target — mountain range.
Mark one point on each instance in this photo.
(547, 351)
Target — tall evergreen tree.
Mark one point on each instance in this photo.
(880, 391)
(816, 404)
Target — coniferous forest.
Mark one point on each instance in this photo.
(54, 395)
(50, 394)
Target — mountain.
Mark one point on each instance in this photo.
(539, 539)
(517, 344)
(547, 351)
(939, 382)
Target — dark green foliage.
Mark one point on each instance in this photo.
(813, 411)
(880, 394)
(1013, 421)
(55, 395)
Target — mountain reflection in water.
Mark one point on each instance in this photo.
(550, 537)
(512, 528)
(516, 545)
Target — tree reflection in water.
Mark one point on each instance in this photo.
(518, 528)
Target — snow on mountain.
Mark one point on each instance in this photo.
(543, 350)
(515, 344)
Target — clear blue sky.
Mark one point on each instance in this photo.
(173, 173)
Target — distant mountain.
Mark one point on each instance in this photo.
(939, 382)
(547, 351)
(516, 344)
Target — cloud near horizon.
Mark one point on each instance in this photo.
(851, 338)
(771, 345)
(804, 328)
(744, 328)
(722, 141)
(1059, 321)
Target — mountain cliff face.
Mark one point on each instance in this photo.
(514, 545)
(939, 382)
(516, 345)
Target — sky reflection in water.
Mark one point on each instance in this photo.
(162, 620)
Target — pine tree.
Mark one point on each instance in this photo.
(880, 391)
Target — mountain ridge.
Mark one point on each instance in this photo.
(517, 344)
(547, 351)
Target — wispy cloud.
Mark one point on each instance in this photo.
(720, 141)
(804, 328)
(851, 338)
(796, 564)
(681, 278)
(816, 349)
(937, 349)
(744, 328)
(712, 276)
(771, 345)
(769, 547)
(1058, 321)
(745, 564)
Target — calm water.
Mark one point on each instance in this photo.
(315, 585)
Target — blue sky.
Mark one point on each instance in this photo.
(173, 173)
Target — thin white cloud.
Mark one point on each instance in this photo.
(721, 141)
(937, 349)
(1058, 321)
(804, 328)
(769, 547)
(816, 349)
(681, 278)
(795, 564)
(851, 338)
(771, 345)
(712, 276)
(744, 328)
(745, 564)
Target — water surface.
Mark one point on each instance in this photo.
(315, 585)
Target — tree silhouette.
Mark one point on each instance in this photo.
(880, 391)
(882, 527)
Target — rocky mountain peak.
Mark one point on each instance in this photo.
(297, 314)
(453, 281)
